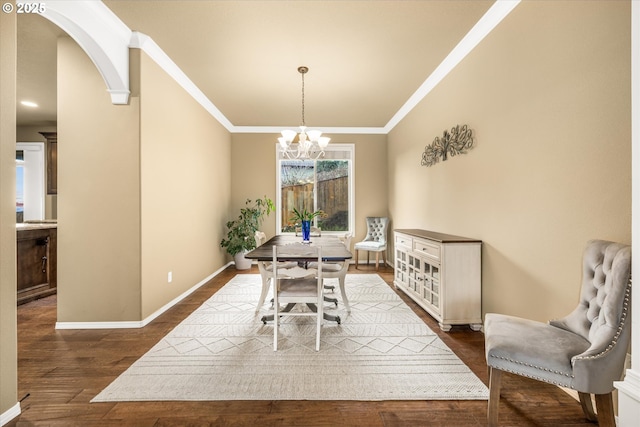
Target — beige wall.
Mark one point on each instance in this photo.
(253, 174)
(8, 325)
(185, 167)
(98, 195)
(144, 191)
(548, 96)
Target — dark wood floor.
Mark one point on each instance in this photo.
(59, 372)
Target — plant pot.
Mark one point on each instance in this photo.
(241, 262)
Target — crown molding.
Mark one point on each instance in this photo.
(324, 130)
(495, 15)
(106, 39)
(148, 46)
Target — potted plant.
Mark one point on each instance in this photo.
(305, 217)
(241, 235)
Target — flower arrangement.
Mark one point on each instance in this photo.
(305, 215)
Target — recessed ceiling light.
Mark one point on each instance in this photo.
(29, 104)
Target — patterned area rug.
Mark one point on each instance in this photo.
(222, 351)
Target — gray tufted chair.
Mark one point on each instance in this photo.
(584, 351)
(375, 240)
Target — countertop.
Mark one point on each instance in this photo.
(39, 225)
(438, 237)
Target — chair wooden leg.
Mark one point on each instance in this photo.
(587, 406)
(356, 258)
(377, 260)
(495, 377)
(604, 406)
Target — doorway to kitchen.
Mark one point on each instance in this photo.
(30, 184)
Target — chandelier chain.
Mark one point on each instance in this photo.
(302, 97)
(311, 143)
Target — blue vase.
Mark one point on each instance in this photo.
(306, 230)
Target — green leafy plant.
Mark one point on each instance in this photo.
(305, 215)
(241, 234)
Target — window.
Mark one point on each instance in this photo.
(325, 184)
(29, 181)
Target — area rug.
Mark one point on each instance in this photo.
(223, 351)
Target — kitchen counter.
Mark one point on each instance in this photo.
(44, 225)
(36, 259)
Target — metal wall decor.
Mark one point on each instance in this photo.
(456, 141)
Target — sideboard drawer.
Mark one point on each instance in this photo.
(427, 248)
(404, 240)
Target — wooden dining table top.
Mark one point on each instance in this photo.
(290, 247)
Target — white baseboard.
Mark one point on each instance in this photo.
(99, 325)
(10, 414)
(628, 399)
(372, 263)
(139, 323)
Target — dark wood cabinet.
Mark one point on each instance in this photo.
(36, 262)
(52, 161)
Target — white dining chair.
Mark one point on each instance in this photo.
(266, 268)
(337, 270)
(297, 286)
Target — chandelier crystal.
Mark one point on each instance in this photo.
(311, 143)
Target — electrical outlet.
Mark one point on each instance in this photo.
(169, 277)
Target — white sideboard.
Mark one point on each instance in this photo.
(442, 273)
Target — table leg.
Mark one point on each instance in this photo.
(345, 301)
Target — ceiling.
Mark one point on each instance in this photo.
(365, 58)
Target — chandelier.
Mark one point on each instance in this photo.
(311, 143)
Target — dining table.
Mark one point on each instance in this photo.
(292, 248)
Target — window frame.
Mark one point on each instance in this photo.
(331, 150)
